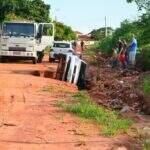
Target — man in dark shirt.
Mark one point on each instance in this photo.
(82, 45)
(120, 45)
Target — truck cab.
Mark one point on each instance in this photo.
(25, 40)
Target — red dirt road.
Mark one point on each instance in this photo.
(30, 119)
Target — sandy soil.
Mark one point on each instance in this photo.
(30, 119)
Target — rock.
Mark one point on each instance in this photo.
(146, 105)
(125, 109)
(121, 82)
(121, 148)
(133, 96)
(145, 133)
(116, 104)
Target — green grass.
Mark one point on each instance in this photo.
(47, 50)
(110, 122)
(54, 89)
(146, 145)
(146, 86)
(89, 52)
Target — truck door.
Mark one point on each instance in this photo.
(47, 30)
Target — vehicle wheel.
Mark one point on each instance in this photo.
(1, 60)
(34, 61)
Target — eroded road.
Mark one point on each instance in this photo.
(30, 119)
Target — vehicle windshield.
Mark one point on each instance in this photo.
(61, 45)
(18, 29)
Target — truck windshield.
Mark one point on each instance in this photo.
(18, 29)
(61, 45)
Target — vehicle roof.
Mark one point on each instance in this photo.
(25, 22)
(65, 42)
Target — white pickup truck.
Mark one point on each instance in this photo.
(25, 40)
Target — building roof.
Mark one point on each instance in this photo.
(78, 32)
(85, 38)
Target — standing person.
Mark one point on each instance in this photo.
(125, 48)
(132, 51)
(114, 58)
(121, 58)
(120, 45)
(74, 45)
(82, 45)
(81, 49)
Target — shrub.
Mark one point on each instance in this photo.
(143, 60)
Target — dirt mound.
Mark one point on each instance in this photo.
(115, 88)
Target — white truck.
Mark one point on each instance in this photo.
(25, 40)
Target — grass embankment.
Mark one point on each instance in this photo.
(146, 86)
(146, 145)
(110, 122)
(146, 90)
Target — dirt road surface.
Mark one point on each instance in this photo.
(30, 119)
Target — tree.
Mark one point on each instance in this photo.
(35, 10)
(141, 3)
(63, 32)
(99, 34)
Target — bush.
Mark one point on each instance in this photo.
(106, 45)
(146, 86)
(143, 60)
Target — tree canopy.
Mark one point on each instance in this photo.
(63, 32)
(99, 34)
(141, 3)
(35, 10)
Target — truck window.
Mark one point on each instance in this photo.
(61, 45)
(18, 29)
(47, 30)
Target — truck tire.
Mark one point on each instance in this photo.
(34, 60)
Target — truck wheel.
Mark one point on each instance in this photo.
(34, 61)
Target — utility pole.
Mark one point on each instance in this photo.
(56, 18)
(106, 32)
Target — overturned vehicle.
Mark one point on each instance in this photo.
(71, 69)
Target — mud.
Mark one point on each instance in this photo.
(30, 119)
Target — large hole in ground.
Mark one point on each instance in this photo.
(38, 73)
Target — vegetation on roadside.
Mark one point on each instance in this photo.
(110, 122)
(63, 32)
(146, 85)
(146, 145)
(55, 89)
(90, 51)
(140, 28)
(99, 34)
(33, 10)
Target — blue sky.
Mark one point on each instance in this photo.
(85, 15)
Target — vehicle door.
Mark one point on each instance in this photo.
(46, 30)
